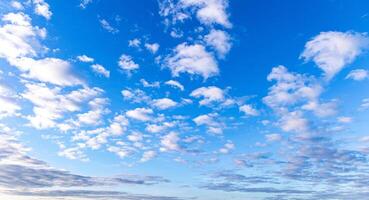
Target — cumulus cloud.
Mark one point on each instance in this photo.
(175, 84)
(332, 51)
(209, 120)
(164, 103)
(51, 104)
(85, 58)
(358, 74)
(249, 110)
(192, 59)
(42, 8)
(127, 64)
(153, 48)
(209, 94)
(18, 37)
(148, 155)
(220, 41)
(227, 148)
(50, 70)
(169, 142)
(99, 69)
(141, 114)
(209, 11)
(145, 83)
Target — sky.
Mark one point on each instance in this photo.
(184, 99)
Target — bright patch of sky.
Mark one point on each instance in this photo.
(184, 99)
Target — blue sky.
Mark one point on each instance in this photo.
(184, 99)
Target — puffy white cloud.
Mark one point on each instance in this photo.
(293, 89)
(210, 11)
(8, 107)
(249, 110)
(141, 114)
(106, 25)
(99, 69)
(164, 103)
(294, 122)
(176, 84)
(209, 120)
(148, 155)
(94, 116)
(18, 37)
(192, 59)
(228, 147)
(127, 64)
(136, 96)
(220, 41)
(134, 43)
(209, 94)
(358, 74)
(169, 142)
(50, 70)
(332, 51)
(153, 48)
(42, 8)
(85, 58)
(50, 105)
(135, 137)
(17, 5)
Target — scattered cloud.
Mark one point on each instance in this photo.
(332, 51)
(99, 69)
(358, 74)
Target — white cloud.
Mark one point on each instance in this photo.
(17, 5)
(358, 74)
(135, 137)
(99, 69)
(141, 114)
(134, 43)
(220, 41)
(84, 3)
(50, 70)
(153, 48)
(127, 64)
(18, 37)
(294, 122)
(210, 11)
(293, 89)
(155, 84)
(176, 84)
(249, 110)
(8, 107)
(209, 120)
(136, 96)
(50, 105)
(169, 142)
(273, 137)
(86, 59)
(148, 155)
(209, 94)
(106, 25)
(164, 103)
(228, 147)
(42, 8)
(344, 119)
(192, 59)
(332, 51)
